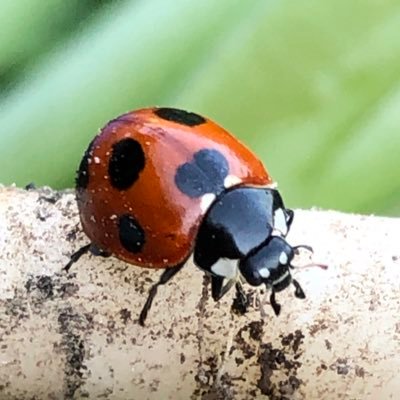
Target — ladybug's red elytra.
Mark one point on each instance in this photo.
(158, 185)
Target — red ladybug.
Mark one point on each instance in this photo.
(158, 185)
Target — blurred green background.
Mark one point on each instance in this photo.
(312, 86)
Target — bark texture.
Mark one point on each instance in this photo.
(72, 336)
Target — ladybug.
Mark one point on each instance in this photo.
(159, 185)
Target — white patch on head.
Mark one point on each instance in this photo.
(206, 201)
(264, 272)
(283, 258)
(225, 268)
(231, 180)
(280, 221)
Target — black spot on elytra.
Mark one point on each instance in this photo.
(126, 162)
(204, 174)
(131, 234)
(180, 116)
(82, 175)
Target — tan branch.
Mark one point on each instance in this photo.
(77, 336)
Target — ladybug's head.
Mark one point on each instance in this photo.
(270, 265)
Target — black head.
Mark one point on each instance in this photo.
(270, 264)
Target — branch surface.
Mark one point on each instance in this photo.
(76, 335)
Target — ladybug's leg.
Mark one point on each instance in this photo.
(240, 294)
(289, 217)
(96, 251)
(274, 304)
(218, 289)
(165, 277)
(241, 301)
(77, 255)
(299, 292)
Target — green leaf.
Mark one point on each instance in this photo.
(311, 86)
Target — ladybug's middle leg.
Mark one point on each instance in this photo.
(92, 248)
(165, 277)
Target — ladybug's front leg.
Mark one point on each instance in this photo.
(218, 289)
(289, 217)
(241, 301)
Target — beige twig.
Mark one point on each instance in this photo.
(76, 336)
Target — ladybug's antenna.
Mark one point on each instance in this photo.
(303, 246)
(312, 264)
(322, 266)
